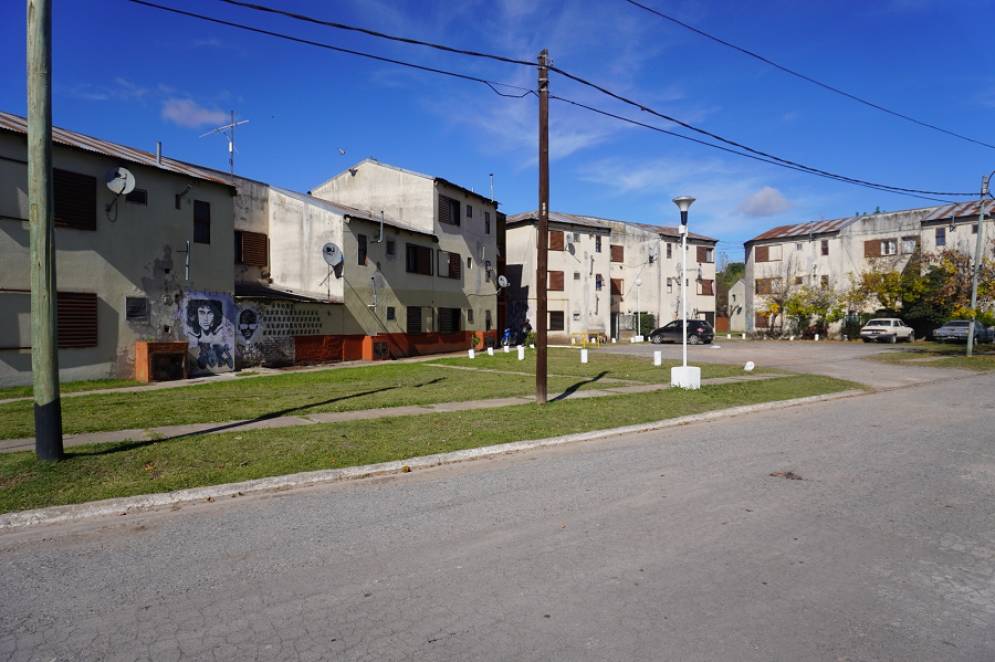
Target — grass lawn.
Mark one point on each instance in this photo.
(342, 389)
(567, 362)
(113, 470)
(69, 387)
(942, 355)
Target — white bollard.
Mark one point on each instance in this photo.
(791, 338)
(744, 336)
(472, 354)
(573, 341)
(505, 348)
(657, 358)
(490, 351)
(521, 352)
(817, 337)
(583, 356)
(728, 336)
(532, 346)
(613, 341)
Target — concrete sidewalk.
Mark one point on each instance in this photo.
(179, 431)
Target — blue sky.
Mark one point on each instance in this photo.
(135, 75)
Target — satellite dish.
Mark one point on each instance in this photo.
(502, 281)
(120, 181)
(332, 254)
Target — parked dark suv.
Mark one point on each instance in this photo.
(699, 333)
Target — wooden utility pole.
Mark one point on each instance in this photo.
(542, 243)
(44, 317)
(976, 267)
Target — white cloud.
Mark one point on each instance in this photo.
(768, 201)
(188, 113)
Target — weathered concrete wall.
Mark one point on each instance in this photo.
(135, 254)
(737, 306)
(586, 308)
(299, 226)
(406, 196)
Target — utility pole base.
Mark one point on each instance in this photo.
(686, 377)
(48, 431)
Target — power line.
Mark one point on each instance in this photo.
(493, 85)
(733, 143)
(755, 157)
(375, 33)
(798, 74)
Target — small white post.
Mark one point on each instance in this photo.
(744, 336)
(728, 336)
(472, 354)
(490, 351)
(657, 358)
(521, 352)
(583, 356)
(817, 337)
(505, 348)
(791, 338)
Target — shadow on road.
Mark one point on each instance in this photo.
(570, 390)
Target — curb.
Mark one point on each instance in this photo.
(126, 505)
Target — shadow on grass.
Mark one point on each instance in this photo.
(237, 424)
(570, 390)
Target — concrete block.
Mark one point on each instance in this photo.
(686, 377)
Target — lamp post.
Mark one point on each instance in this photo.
(685, 376)
(639, 321)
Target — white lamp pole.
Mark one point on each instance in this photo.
(685, 376)
(639, 321)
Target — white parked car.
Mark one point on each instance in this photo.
(887, 329)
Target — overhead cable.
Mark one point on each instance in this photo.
(810, 79)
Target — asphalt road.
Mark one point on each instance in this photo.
(832, 358)
(673, 545)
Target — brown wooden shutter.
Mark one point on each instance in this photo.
(444, 210)
(760, 320)
(455, 264)
(424, 259)
(556, 240)
(75, 200)
(706, 287)
(254, 249)
(872, 248)
(556, 281)
(77, 315)
(763, 285)
(702, 254)
(618, 253)
(616, 286)
(761, 254)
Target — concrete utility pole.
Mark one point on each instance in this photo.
(978, 254)
(542, 245)
(41, 216)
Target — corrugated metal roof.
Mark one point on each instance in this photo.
(604, 223)
(18, 124)
(258, 291)
(964, 209)
(805, 229)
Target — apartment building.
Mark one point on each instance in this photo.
(829, 253)
(152, 266)
(602, 272)
(646, 275)
(578, 294)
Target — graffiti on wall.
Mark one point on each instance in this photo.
(209, 327)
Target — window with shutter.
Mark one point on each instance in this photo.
(418, 259)
(201, 222)
(455, 265)
(760, 321)
(702, 254)
(556, 320)
(556, 240)
(77, 319)
(599, 282)
(75, 200)
(941, 236)
(251, 248)
(705, 288)
(761, 254)
(824, 247)
(555, 281)
(449, 210)
(361, 249)
(616, 286)
(763, 285)
(872, 248)
(414, 319)
(597, 244)
(617, 253)
(450, 320)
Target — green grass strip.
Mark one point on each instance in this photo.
(114, 470)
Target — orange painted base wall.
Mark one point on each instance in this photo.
(324, 349)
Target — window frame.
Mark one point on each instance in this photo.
(200, 223)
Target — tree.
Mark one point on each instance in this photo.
(725, 279)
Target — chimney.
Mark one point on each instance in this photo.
(158, 152)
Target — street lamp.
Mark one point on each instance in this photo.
(685, 376)
(639, 321)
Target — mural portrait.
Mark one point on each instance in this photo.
(248, 323)
(210, 331)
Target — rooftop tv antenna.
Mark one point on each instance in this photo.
(228, 130)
